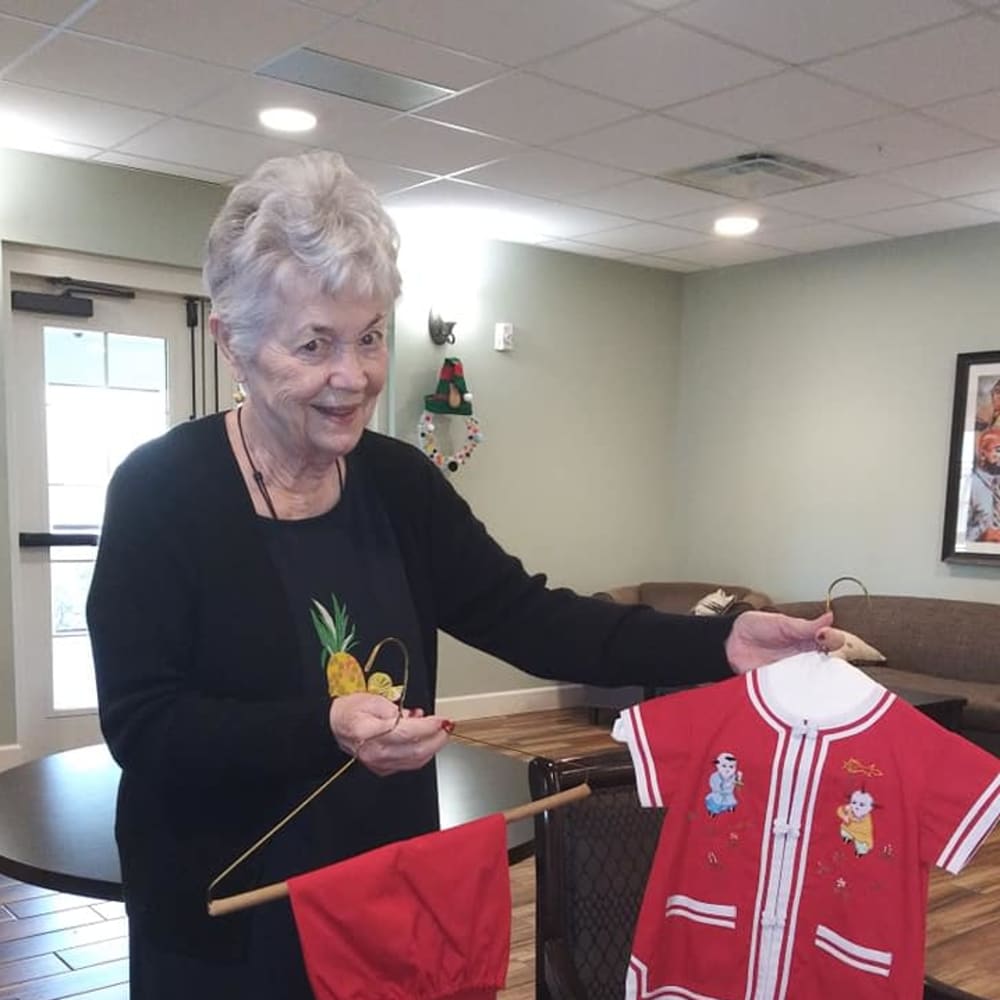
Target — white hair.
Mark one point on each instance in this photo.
(307, 214)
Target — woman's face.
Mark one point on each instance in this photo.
(319, 370)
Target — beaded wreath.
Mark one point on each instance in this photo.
(451, 463)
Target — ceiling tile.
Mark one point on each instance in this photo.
(222, 150)
(243, 33)
(954, 176)
(883, 144)
(665, 64)
(445, 204)
(16, 37)
(237, 107)
(35, 143)
(988, 200)
(512, 32)
(587, 249)
(545, 175)
(843, 198)
(650, 199)
(569, 221)
(528, 109)
(73, 119)
(339, 6)
(424, 145)
(663, 263)
(658, 4)
(819, 236)
(770, 217)
(645, 237)
(385, 177)
(918, 219)
(800, 30)
(159, 167)
(725, 253)
(933, 65)
(785, 106)
(651, 145)
(980, 113)
(120, 74)
(388, 50)
(46, 11)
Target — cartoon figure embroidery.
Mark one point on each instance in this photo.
(856, 826)
(724, 782)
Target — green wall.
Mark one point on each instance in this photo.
(814, 414)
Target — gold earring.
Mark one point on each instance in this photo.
(239, 394)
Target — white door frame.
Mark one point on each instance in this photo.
(72, 728)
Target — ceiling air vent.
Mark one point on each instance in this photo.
(754, 175)
(310, 68)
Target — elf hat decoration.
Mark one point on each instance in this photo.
(452, 395)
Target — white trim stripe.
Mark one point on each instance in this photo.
(878, 970)
(700, 906)
(699, 918)
(637, 986)
(971, 832)
(649, 793)
(857, 950)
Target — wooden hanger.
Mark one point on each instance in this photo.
(279, 890)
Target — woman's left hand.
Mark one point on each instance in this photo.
(761, 637)
(384, 738)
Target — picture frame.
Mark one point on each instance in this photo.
(972, 501)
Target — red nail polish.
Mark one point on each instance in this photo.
(447, 725)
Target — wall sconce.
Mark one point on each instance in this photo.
(440, 330)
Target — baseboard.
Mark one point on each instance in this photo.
(12, 754)
(493, 703)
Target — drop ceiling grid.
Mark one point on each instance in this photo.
(544, 112)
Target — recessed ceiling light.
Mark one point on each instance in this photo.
(735, 225)
(287, 119)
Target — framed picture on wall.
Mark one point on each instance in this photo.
(972, 505)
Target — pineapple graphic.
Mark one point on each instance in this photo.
(344, 674)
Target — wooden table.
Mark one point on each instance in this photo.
(57, 813)
(944, 709)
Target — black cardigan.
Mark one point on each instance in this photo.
(191, 631)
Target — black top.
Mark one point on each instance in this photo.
(348, 562)
(192, 638)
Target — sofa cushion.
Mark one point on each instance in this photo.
(933, 636)
(981, 712)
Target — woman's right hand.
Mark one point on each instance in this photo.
(383, 738)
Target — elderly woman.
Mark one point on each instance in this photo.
(246, 555)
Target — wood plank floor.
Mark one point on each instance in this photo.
(57, 947)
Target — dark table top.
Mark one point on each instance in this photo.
(57, 813)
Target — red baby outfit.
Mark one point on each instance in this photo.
(422, 919)
(794, 855)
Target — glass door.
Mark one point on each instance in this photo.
(86, 393)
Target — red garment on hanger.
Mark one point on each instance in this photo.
(422, 919)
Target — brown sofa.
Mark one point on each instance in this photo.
(681, 596)
(930, 644)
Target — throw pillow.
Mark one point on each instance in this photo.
(847, 646)
(715, 603)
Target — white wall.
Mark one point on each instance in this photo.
(814, 413)
(574, 473)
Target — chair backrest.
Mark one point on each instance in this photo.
(592, 861)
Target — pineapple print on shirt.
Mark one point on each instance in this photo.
(344, 674)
